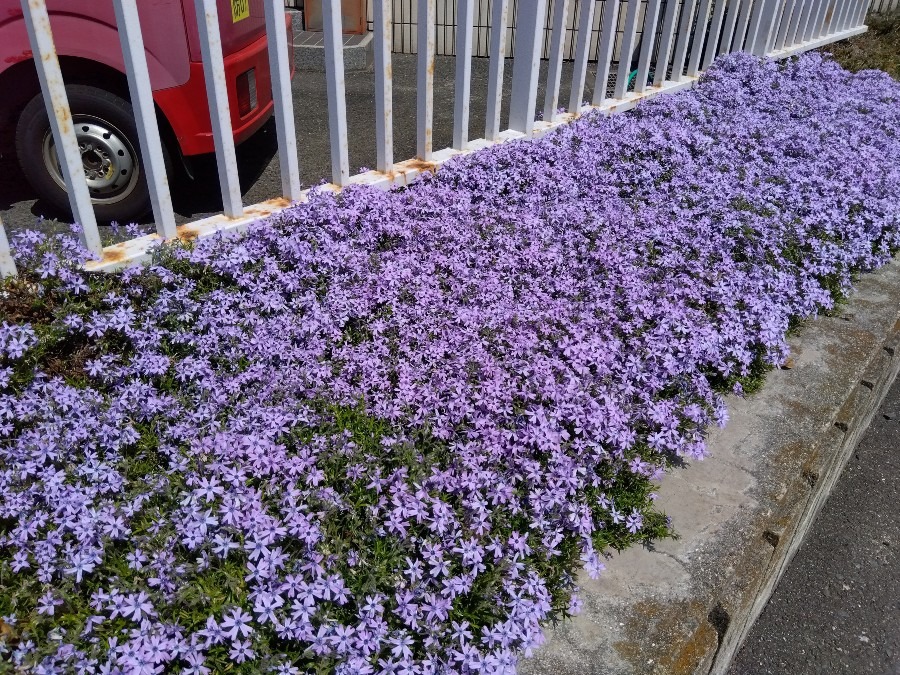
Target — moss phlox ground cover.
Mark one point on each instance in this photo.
(383, 432)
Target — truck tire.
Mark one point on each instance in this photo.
(107, 136)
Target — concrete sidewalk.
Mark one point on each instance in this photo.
(686, 605)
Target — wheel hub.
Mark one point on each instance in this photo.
(106, 155)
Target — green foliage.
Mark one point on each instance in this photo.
(878, 48)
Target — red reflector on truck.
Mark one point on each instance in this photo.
(246, 92)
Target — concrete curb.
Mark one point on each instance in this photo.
(686, 605)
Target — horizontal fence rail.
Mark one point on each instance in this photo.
(641, 48)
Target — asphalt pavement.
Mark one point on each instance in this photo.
(257, 158)
(837, 608)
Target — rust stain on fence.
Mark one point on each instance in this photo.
(187, 232)
(113, 254)
(192, 231)
(267, 207)
(64, 116)
(417, 165)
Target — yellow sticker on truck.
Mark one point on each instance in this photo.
(240, 9)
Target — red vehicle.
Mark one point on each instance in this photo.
(90, 56)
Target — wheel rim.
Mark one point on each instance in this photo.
(109, 160)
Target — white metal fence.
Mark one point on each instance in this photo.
(680, 39)
(405, 24)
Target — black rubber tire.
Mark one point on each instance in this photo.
(101, 105)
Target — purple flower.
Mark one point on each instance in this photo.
(137, 605)
(241, 651)
(48, 603)
(634, 521)
(237, 623)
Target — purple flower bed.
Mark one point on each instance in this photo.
(384, 431)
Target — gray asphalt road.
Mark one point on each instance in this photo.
(257, 157)
(837, 609)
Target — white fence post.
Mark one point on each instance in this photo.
(426, 21)
(856, 7)
(37, 23)
(627, 46)
(280, 70)
(818, 18)
(803, 11)
(7, 264)
(715, 30)
(787, 18)
(815, 19)
(526, 65)
(665, 43)
(681, 45)
(809, 18)
(465, 14)
(781, 6)
(651, 20)
(798, 21)
(833, 24)
(850, 14)
(384, 105)
(699, 37)
(841, 18)
(219, 110)
(499, 18)
(753, 29)
(332, 34)
(772, 32)
(582, 44)
(554, 67)
(605, 48)
(764, 25)
(861, 12)
(732, 11)
(737, 43)
(129, 24)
